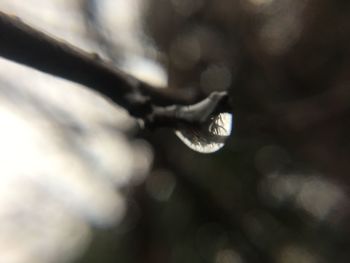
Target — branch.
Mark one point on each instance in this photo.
(195, 115)
(26, 45)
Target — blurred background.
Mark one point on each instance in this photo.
(80, 182)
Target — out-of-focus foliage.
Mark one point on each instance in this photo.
(65, 152)
(260, 199)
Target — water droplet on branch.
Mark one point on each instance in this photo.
(211, 136)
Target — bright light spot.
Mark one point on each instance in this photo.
(228, 256)
(160, 185)
(282, 26)
(185, 52)
(314, 194)
(283, 187)
(146, 70)
(142, 160)
(260, 2)
(319, 197)
(121, 21)
(293, 254)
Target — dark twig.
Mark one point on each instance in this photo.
(194, 115)
(26, 45)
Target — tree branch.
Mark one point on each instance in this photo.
(26, 45)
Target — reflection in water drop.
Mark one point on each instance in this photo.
(211, 136)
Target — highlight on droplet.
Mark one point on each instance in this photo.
(212, 135)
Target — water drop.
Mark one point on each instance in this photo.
(211, 136)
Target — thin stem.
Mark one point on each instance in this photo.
(26, 45)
